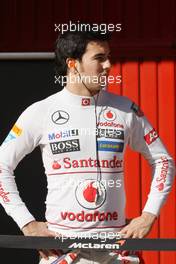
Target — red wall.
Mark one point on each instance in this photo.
(152, 85)
(143, 53)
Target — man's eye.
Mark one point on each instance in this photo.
(103, 58)
(100, 58)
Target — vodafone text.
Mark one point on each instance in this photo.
(89, 217)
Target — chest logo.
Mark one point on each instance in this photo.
(85, 101)
(90, 194)
(109, 115)
(60, 117)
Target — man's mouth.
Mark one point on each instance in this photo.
(104, 74)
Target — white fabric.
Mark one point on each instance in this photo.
(81, 196)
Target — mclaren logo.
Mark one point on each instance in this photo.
(60, 117)
(90, 245)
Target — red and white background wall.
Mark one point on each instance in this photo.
(143, 54)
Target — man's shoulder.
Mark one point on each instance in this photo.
(45, 103)
(39, 108)
(118, 101)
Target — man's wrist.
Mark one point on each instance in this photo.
(28, 225)
(149, 217)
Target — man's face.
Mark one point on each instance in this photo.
(95, 65)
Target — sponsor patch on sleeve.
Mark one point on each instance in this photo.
(17, 130)
(151, 136)
(136, 109)
(13, 134)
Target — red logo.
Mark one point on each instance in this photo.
(56, 165)
(110, 124)
(72, 255)
(89, 217)
(162, 177)
(4, 194)
(109, 115)
(121, 242)
(160, 186)
(90, 193)
(85, 101)
(67, 163)
(151, 136)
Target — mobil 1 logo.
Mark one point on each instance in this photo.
(65, 146)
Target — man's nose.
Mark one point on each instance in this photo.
(107, 64)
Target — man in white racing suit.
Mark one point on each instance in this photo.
(82, 132)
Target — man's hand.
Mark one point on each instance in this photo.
(35, 228)
(139, 227)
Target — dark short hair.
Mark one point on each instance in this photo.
(73, 45)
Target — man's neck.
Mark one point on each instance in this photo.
(80, 89)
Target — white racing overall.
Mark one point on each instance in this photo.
(82, 141)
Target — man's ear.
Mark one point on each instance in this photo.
(71, 63)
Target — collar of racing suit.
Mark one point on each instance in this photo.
(78, 100)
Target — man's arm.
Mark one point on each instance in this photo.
(22, 139)
(144, 139)
(35, 228)
(139, 227)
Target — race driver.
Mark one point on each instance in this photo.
(82, 132)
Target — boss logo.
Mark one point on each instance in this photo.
(65, 146)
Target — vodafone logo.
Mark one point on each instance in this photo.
(85, 101)
(90, 194)
(95, 216)
(109, 115)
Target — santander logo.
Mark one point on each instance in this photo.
(90, 193)
(68, 163)
(161, 179)
(109, 115)
(56, 165)
(160, 186)
(4, 194)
